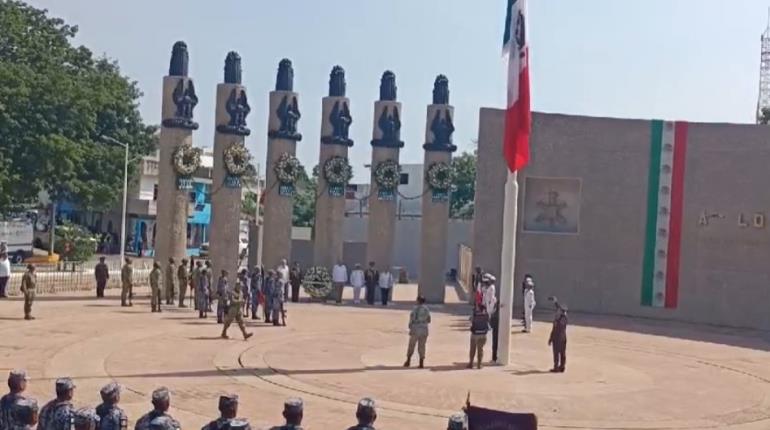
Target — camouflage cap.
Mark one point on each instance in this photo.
(64, 384)
(456, 422)
(85, 417)
(366, 403)
(17, 375)
(293, 404)
(228, 401)
(110, 390)
(239, 424)
(163, 422)
(161, 395)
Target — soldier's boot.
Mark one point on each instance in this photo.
(246, 335)
(422, 363)
(408, 362)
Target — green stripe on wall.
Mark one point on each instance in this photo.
(652, 211)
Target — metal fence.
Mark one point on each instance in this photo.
(74, 276)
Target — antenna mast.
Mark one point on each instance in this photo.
(764, 73)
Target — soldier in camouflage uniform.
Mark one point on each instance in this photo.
(23, 415)
(170, 281)
(29, 288)
(456, 422)
(194, 281)
(127, 284)
(293, 410)
(235, 311)
(57, 414)
(161, 402)
(111, 417)
(228, 409)
(85, 419)
(17, 383)
(155, 299)
(419, 320)
(163, 423)
(184, 279)
(366, 413)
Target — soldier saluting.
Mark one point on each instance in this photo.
(111, 417)
(558, 338)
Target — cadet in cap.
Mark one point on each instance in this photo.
(366, 413)
(161, 401)
(456, 422)
(85, 419)
(228, 409)
(111, 417)
(293, 411)
(57, 414)
(23, 414)
(163, 422)
(17, 383)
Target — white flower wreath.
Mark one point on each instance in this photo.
(440, 176)
(317, 282)
(337, 170)
(186, 159)
(387, 175)
(237, 159)
(287, 169)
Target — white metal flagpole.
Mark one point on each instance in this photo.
(507, 267)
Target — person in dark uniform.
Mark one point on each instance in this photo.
(57, 414)
(228, 410)
(161, 402)
(371, 280)
(366, 413)
(17, 383)
(558, 338)
(184, 280)
(293, 410)
(102, 275)
(479, 329)
(23, 415)
(494, 323)
(170, 281)
(295, 279)
(111, 417)
(29, 289)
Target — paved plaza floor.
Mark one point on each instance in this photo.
(622, 373)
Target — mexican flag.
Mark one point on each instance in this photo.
(517, 115)
(665, 199)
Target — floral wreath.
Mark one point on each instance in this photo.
(237, 159)
(440, 176)
(186, 159)
(337, 170)
(287, 169)
(387, 175)
(317, 282)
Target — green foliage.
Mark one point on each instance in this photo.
(303, 213)
(56, 101)
(464, 191)
(74, 242)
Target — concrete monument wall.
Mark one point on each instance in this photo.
(593, 260)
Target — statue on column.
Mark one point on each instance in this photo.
(388, 86)
(238, 108)
(441, 90)
(184, 96)
(288, 114)
(285, 79)
(337, 82)
(233, 69)
(340, 120)
(180, 60)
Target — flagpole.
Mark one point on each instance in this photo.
(507, 267)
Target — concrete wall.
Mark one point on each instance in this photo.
(724, 270)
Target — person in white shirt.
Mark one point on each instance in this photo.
(5, 273)
(339, 279)
(357, 281)
(529, 303)
(283, 271)
(385, 284)
(488, 297)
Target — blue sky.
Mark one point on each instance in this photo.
(694, 60)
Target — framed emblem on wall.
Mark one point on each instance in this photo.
(551, 205)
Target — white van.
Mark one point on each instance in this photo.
(16, 237)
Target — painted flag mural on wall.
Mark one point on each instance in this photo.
(665, 198)
(517, 116)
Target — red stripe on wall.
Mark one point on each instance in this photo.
(675, 220)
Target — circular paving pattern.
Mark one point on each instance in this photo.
(618, 377)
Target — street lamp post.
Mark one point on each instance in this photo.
(125, 196)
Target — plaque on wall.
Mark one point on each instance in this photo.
(336, 190)
(184, 183)
(551, 205)
(286, 190)
(386, 195)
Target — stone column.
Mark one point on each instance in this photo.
(435, 202)
(330, 204)
(255, 244)
(282, 142)
(386, 144)
(177, 125)
(231, 160)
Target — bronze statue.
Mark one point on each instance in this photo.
(337, 82)
(285, 79)
(340, 120)
(185, 99)
(388, 86)
(180, 60)
(441, 90)
(233, 68)
(238, 108)
(288, 114)
(442, 128)
(389, 124)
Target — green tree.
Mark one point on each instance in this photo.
(303, 212)
(56, 101)
(464, 191)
